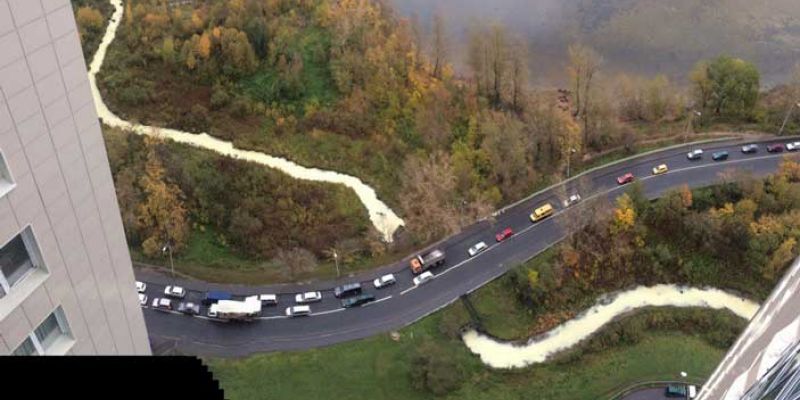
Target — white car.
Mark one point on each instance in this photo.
(297, 311)
(141, 287)
(384, 281)
(175, 291)
(142, 299)
(308, 297)
(265, 299)
(160, 303)
(793, 146)
(572, 200)
(422, 278)
(477, 248)
(695, 154)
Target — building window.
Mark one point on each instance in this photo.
(18, 258)
(51, 337)
(6, 182)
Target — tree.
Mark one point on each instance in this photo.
(432, 368)
(727, 86)
(89, 19)
(161, 217)
(440, 46)
(519, 73)
(584, 63)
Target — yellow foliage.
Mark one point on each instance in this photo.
(624, 215)
(204, 46)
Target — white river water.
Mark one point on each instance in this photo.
(539, 348)
(381, 216)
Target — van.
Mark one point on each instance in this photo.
(350, 289)
(298, 311)
(265, 299)
(542, 212)
(215, 296)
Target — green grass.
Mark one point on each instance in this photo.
(378, 368)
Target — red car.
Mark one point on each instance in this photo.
(505, 234)
(775, 148)
(627, 178)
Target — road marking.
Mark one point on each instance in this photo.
(408, 290)
(328, 311)
(377, 301)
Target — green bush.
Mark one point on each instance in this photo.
(434, 370)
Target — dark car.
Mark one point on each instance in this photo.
(358, 300)
(775, 148)
(627, 178)
(750, 148)
(505, 234)
(349, 289)
(189, 308)
(719, 156)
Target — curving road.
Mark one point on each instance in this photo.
(402, 304)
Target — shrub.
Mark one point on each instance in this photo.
(434, 370)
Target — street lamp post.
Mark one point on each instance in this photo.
(786, 119)
(692, 114)
(168, 249)
(569, 157)
(336, 261)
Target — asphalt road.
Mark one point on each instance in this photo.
(403, 304)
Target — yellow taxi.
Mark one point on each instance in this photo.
(542, 212)
(661, 169)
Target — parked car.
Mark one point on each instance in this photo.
(268, 299)
(775, 148)
(358, 300)
(175, 291)
(505, 234)
(661, 169)
(423, 277)
(141, 287)
(384, 281)
(162, 303)
(350, 289)
(750, 148)
(142, 299)
(477, 248)
(189, 308)
(719, 156)
(627, 178)
(308, 297)
(695, 154)
(298, 311)
(793, 146)
(572, 200)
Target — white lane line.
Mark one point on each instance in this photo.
(408, 290)
(328, 311)
(273, 317)
(377, 301)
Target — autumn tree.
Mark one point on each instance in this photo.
(584, 63)
(439, 45)
(161, 217)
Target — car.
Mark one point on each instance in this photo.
(142, 299)
(793, 146)
(308, 297)
(298, 311)
(504, 234)
(775, 148)
(358, 300)
(175, 291)
(572, 200)
(141, 287)
(268, 299)
(350, 289)
(719, 156)
(661, 169)
(162, 303)
(189, 308)
(542, 212)
(695, 154)
(384, 281)
(423, 277)
(750, 148)
(477, 248)
(627, 178)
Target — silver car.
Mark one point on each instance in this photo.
(424, 277)
(572, 200)
(384, 281)
(477, 248)
(308, 297)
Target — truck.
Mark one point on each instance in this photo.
(214, 296)
(424, 261)
(235, 310)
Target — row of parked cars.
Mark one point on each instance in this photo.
(350, 294)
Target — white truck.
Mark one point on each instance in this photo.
(235, 310)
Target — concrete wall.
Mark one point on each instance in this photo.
(51, 140)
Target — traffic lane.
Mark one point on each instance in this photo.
(204, 337)
(658, 393)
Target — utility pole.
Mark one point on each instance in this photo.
(168, 249)
(569, 157)
(788, 113)
(336, 261)
(692, 114)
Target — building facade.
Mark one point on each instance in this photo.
(66, 280)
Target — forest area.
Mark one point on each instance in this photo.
(351, 86)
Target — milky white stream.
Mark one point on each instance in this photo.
(539, 348)
(382, 217)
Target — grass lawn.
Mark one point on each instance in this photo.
(378, 368)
